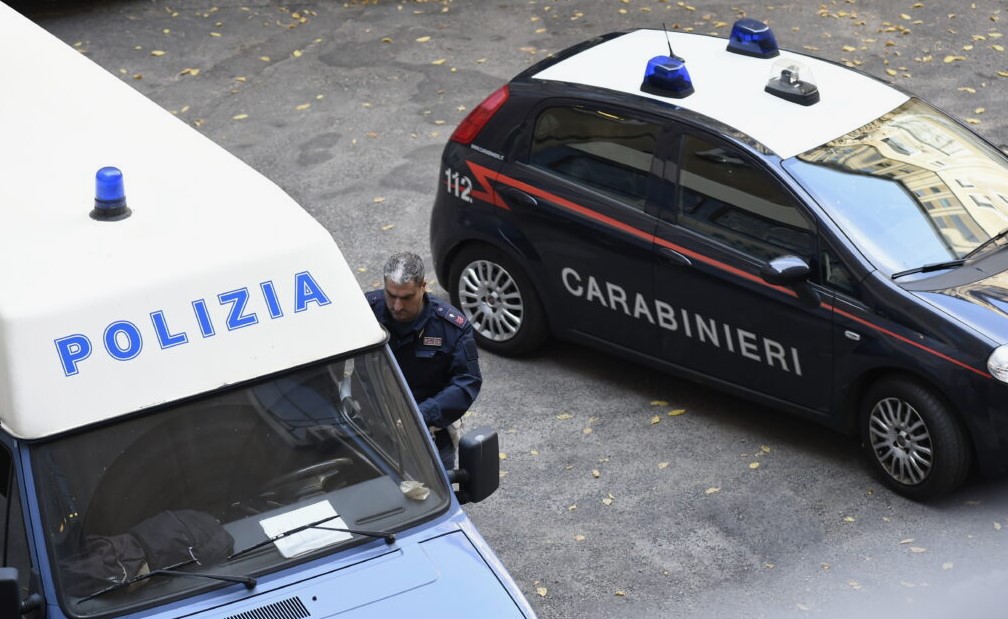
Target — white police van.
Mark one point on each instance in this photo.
(198, 413)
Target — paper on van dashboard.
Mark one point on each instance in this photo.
(309, 539)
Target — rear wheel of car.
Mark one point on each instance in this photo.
(498, 299)
(914, 439)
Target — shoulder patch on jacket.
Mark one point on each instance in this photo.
(451, 314)
(374, 296)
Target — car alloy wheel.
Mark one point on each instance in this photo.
(914, 438)
(497, 297)
(901, 441)
(491, 300)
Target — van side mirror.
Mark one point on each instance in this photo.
(11, 604)
(791, 272)
(10, 593)
(478, 472)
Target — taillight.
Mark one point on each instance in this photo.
(470, 127)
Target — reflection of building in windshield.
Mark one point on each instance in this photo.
(950, 173)
(302, 409)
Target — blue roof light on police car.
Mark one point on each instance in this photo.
(751, 37)
(110, 195)
(667, 76)
(792, 81)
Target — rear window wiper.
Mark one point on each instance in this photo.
(171, 570)
(936, 266)
(318, 524)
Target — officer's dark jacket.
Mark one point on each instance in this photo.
(437, 355)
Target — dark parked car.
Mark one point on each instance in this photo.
(784, 227)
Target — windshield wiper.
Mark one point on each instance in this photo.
(171, 570)
(935, 266)
(949, 264)
(388, 537)
(976, 250)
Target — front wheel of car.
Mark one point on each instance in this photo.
(914, 439)
(497, 297)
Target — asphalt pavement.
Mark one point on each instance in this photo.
(624, 492)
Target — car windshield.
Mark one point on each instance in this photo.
(912, 188)
(189, 485)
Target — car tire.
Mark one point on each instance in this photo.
(913, 439)
(498, 299)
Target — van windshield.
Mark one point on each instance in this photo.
(187, 486)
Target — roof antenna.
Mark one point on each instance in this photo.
(667, 40)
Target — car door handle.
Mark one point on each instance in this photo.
(671, 256)
(517, 197)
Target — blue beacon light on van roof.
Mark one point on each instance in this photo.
(751, 37)
(110, 195)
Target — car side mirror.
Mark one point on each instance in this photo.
(791, 272)
(478, 472)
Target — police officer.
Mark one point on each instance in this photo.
(434, 346)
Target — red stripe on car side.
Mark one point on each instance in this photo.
(487, 193)
(910, 342)
(484, 173)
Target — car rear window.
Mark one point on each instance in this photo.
(604, 151)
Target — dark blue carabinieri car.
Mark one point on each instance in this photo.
(781, 226)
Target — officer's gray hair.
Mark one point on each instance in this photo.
(404, 267)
